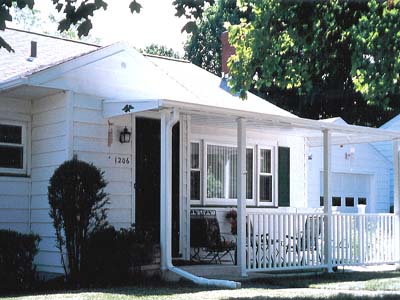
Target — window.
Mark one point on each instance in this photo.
(321, 201)
(222, 172)
(265, 175)
(362, 200)
(336, 201)
(350, 201)
(195, 178)
(12, 148)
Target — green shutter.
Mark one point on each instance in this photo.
(283, 176)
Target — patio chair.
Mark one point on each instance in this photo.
(217, 246)
(206, 240)
(307, 240)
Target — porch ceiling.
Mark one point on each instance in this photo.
(309, 129)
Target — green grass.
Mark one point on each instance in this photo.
(337, 286)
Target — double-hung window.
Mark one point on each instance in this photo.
(265, 176)
(221, 172)
(12, 148)
(195, 173)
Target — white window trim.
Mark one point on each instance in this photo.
(24, 143)
(224, 201)
(274, 174)
(195, 201)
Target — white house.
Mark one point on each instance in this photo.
(360, 175)
(193, 145)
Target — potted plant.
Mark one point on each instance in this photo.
(231, 216)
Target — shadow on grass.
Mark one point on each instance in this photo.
(307, 281)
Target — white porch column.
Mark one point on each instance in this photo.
(241, 196)
(396, 198)
(327, 200)
(163, 191)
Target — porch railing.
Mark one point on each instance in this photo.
(296, 240)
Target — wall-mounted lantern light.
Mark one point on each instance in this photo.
(125, 136)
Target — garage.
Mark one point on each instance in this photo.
(348, 190)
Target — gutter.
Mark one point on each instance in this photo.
(168, 211)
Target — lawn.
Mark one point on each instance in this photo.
(338, 286)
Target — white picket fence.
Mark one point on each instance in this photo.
(296, 240)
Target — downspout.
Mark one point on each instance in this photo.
(166, 215)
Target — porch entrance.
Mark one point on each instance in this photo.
(147, 187)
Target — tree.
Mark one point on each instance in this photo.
(203, 47)
(76, 13)
(77, 207)
(160, 50)
(330, 54)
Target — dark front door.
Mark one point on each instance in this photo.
(148, 178)
(148, 174)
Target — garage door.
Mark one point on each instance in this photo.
(348, 190)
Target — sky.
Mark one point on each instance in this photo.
(155, 23)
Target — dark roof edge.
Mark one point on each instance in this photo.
(166, 57)
(54, 37)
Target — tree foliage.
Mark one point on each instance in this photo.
(77, 207)
(325, 53)
(76, 13)
(160, 50)
(203, 47)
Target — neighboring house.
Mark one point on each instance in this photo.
(386, 149)
(360, 175)
(193, 145)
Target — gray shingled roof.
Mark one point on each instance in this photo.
(50, 51)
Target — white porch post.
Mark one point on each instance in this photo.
(327, 201)
(241, 196)
(396, 199)
(163, 191)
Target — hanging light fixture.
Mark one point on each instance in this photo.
(125, 136)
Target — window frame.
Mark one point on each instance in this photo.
(225, 201)
(23, 145)
(273, 174)
(199, 169)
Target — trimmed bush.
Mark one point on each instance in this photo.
(114, 256)
(17, 251)
(78, 207)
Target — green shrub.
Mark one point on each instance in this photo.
(17, 251)
(114, 256)
(77, 206)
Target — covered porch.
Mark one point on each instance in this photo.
(270, 238)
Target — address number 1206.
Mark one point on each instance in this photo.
(122, 160)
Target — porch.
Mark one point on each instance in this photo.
(271, 240)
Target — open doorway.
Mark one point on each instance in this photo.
(147, 187)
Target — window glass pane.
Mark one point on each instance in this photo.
(194, 155)
(265, 188)
(249, 174)
(265, 161)
(336, 201)
(10, 134)
(349, 201)
(232, 158)
(321, 201)
(11, 157)
(195, 185)
(362, 200)
(221, 171)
